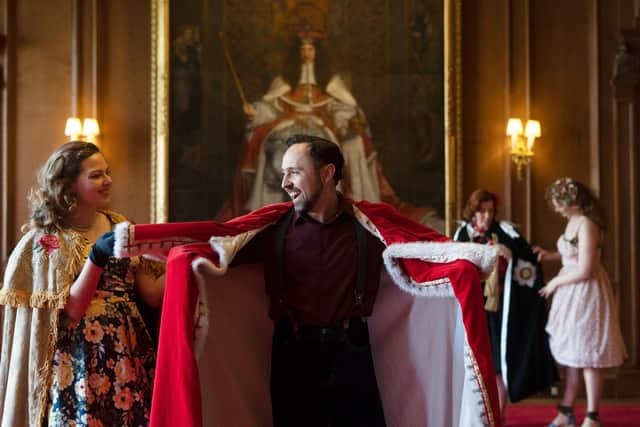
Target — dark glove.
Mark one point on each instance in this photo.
(102, 249)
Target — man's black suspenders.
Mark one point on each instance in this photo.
(361, 278)
(282, 226)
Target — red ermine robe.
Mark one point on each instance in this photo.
(428, 329)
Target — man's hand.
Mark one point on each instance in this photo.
(102, 249)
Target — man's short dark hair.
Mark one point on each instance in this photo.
(322, 151)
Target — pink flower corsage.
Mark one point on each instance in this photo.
(49, 242)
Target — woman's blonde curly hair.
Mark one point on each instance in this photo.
(52, 200)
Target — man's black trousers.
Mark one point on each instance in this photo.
(324, 377)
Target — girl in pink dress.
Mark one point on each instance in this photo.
(583, 326)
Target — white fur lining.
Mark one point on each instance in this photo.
(157, 250)
(121, 245)
(483, 256)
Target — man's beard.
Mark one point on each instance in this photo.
(304, 204)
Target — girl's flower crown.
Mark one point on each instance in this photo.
(564, 191)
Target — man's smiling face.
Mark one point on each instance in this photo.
(301, 178)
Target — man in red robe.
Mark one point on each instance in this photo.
(347, 347)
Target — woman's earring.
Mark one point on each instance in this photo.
(72, 203)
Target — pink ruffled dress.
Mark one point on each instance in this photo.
(583, 321)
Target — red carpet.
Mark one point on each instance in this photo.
(537, 415)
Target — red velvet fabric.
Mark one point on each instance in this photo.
(176, 396)
(201, 231)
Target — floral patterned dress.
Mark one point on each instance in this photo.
(103, 364)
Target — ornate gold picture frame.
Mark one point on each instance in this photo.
(410, 126)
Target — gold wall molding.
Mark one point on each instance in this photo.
(8, 133)
(159, 110)
(453, 112)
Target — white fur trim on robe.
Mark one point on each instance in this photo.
(483, 256)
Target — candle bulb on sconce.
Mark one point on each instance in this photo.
(532, 131)
(90, 129)
(86, 131)
(514, 128)
(73, 128)
(521, 149)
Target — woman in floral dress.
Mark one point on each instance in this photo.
(584, 330)
(111, 354)
(89, 359)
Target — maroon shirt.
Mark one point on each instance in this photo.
(320, 263)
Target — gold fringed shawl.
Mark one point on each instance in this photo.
(39, 274)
